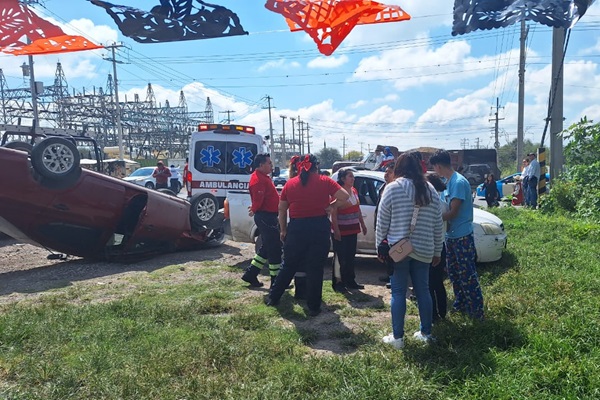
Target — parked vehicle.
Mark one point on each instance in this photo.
(143, 177)
(220, 160)
(281, 179)
(476, 173)
(506, 185)
(50, 201)
(490, 237)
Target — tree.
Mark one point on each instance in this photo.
(584, 145)
(328, 156)
(354, 155)
(507, 156)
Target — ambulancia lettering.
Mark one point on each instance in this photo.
(223, 185)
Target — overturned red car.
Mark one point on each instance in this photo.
(48, 199)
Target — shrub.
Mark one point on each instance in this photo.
(562, 198)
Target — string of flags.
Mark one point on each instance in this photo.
(327, 22)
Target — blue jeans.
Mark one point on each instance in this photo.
(419, 273)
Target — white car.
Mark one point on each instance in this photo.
(488, 230)
(143, 177)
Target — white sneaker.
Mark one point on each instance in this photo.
(397, 343)
(423, 338)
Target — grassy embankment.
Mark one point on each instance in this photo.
(209, 339)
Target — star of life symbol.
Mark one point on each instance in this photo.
(242, 157)
(210, 156)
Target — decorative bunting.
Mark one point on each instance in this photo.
(174, 20)
(329, 22)
(471, 15)
(18, 23)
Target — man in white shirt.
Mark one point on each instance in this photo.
(533, 172)
(378, 159)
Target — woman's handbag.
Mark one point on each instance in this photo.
(402, 248)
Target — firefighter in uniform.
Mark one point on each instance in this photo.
(264, 208)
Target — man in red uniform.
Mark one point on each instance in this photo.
(264, 208)
(162, 175)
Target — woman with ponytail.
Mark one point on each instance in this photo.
(411, 208)
(306, 237)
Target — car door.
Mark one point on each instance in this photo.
(368, 195)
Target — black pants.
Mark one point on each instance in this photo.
(343, 259)
(306, 247)
(268, 226)
(437, 290)
(162, 185)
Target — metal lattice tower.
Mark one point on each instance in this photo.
(149, 129)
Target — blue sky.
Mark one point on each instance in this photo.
(406, 84)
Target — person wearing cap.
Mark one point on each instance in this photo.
(162, 175)
(533, 172)
(388, 158)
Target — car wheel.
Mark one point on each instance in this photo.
(23, 146)
(204, 209)
(149, 185)
(55, 158)
(166, 191)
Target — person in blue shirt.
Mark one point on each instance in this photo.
(460, 245)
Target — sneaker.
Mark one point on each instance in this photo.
(397, 343)
(422, 338)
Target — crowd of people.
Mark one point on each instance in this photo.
(432, 212)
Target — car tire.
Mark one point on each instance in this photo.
(23, 146)
(149, 185)
(166, 191)
(204, 209)
(55, 158)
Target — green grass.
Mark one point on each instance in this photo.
(208, 337)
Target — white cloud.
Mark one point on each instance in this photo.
(358, 104)
(278, 64)
(328, 62)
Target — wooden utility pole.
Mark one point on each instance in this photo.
(557, 159)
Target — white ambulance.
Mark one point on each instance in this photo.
(220, 159)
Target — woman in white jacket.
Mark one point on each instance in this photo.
(396, 211)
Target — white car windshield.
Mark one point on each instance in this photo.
(143, 172)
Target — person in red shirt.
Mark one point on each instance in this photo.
(306, 238)
(162, 175)
(346, 223)
(186, 169)
(265, 201)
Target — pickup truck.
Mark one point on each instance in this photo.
(488, 230)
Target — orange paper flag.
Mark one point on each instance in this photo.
(329, 22)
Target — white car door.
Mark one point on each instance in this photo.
(368, 194)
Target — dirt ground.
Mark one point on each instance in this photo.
(26, 272)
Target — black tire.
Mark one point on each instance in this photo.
(166, 191)
(55, 158)
(23, 146)
(149, 185)
(204, 209)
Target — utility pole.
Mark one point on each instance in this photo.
(477, 144)
(556, 123)
(464, 143)
(32, 86)
(361, 148)
(293, 135)
(301, 129)
(344, 147)
(283, 153)
(228, 112)
(272, 149)
(496, 126)
(117, 105)
(308, 137)
(521, 112)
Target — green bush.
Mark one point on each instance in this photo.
(562, 198)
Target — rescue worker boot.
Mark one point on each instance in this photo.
(251, 276)
(273, 283)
